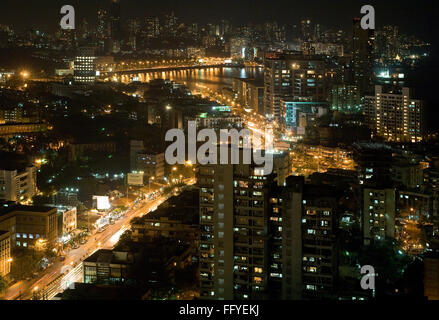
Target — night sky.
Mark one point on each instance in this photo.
(413, 17)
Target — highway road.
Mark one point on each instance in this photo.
(62, 273)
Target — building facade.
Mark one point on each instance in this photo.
(395, 116)
(292, 75)
(233, 240)
(30, 227)
(18, 185)
(84, 66)
(5, 253)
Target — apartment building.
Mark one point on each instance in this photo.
(379, 208)
(303, 251)
(395, 115)
(233, 241)
(292, 74)
(18, 184)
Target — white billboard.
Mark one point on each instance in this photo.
(102, 202)
(135, 179)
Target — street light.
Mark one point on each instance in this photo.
(149, 183)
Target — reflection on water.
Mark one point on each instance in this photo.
(213, 78)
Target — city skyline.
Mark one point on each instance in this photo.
(250, 151)
(419, 15)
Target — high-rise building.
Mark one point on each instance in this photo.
(431, 273)
(375, 189)
(18, 185)
(379, 207)
(303, 258)
(307, 30)
(84, 66)
(250, 93)
(395, 116)
(152, 164)
(152, 27)
(233, 241)
(170, 25)
(373, 164)
(239, 47)
(115, 26)
(292, 75)
(363, 57)
(102, 27)
(345, 98)
(388, 44)
(295, 109)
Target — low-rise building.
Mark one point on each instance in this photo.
(67, 220)
(164, 227)
(108, 267)
(5, 253)
(30, 226)
(11, 130)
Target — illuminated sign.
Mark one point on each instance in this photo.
(135, 179)
(102, 202)
(222, 109)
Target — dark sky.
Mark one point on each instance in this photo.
(414, 17)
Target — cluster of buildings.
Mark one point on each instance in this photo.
(300, 86)
(24, 226)
(264, 238)
(32, 227)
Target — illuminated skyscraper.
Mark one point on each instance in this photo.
(303, 262)
(115, 25)
(292, 75)
(307, 30)
(362, 57)
(152, 27)
(395, 116)
(84, 66)
(345, 98)
(233, 243)
(102, 27)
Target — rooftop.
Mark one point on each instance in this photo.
(110, 256)
(8, 208)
